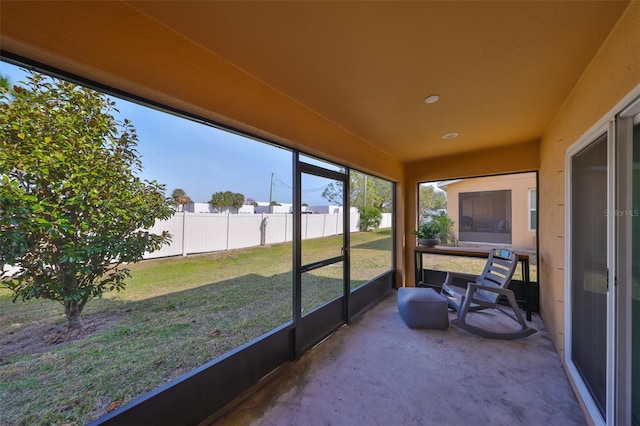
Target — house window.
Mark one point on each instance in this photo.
(485, 216)
(533, 210)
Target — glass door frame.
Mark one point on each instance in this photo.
(314, 327)
(625, 123)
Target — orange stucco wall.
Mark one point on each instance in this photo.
(612, 75)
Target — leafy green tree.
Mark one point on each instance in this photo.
(180, 198)
(221, 200)
(5, 83)
(370, 218)
(72, 208)
(237, 200)
(430, 199)
(365, 190)
(218, 200)
(445, 226)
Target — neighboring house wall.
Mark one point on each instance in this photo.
(519, 185)
(330, 209)
(282, 208)
(247, 209)
(198, 208)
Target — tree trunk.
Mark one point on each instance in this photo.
(73, 309)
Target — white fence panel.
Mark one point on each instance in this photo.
(276, 227)
(354, 221)
(289, 230)
(205, 232)
(304, 220)
(331, 224)
(386, 221)
(244, 231)
(174, 226)
(313, 226)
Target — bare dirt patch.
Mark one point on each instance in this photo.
(42, 337)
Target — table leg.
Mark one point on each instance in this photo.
(527, 288)
(418, 268)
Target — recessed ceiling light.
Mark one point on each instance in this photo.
(432, 99)
(450, 135)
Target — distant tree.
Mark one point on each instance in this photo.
(5, 82)
(180, 198)
(221, 200)
(237, 200)
(72, 208)
(218, 200)
(333, 193)
(430, 199)
(370, 191)
(365, 190)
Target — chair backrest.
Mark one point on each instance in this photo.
(498, 271)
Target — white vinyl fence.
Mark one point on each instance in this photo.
(193, 233)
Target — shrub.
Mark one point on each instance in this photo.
(370, 218)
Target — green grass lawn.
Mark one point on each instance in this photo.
(175, 315)
(470, 265)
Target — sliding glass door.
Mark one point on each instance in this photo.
(589, 270)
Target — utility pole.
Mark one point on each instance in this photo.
(365, 190)
(271, 191)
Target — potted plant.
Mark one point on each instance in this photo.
(428, 234)
(439, 228)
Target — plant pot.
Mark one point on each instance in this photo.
(428, 242)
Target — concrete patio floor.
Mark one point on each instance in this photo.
(377, 371)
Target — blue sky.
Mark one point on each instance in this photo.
(201, 159)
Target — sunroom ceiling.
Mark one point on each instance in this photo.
(501, 69)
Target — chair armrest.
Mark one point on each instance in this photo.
(469, 278)
(498, 290)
